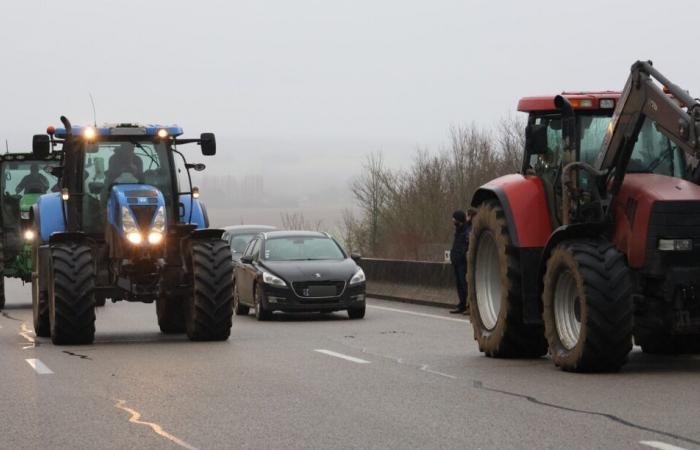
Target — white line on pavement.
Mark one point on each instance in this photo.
(660, 445)
(413, 313)
(39, 366)
(340, 355)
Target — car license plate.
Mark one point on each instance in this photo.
(321, 291)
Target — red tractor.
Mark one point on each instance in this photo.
(596, 243)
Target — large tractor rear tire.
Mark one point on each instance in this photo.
(208, 314)
(71, 294)
(588, 308)
(495, 297)
(170, 312)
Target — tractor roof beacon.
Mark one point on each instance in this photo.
(125, 224)
(596, 243)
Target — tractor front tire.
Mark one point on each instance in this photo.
(170, 312)
(208, 313)
(494, 286)
(588, 308)
(71, 294)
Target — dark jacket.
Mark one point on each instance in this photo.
(458, 254)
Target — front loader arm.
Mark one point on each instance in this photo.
(677, 118)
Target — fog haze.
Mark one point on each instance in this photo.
(298, 92)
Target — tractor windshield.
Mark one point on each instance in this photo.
(121, 162)
(653, 152)
(23, 181)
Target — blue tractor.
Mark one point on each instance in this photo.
(126, 225)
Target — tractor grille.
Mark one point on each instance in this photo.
(318, 289)
(144, 215)
(673, 219)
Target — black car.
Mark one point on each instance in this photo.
(239, 236)
(298, 271)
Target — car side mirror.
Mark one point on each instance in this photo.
(536, 139)
(41, 145)
(208, 143)
(356, 257)
(248, 259)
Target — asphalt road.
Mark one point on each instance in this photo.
(404, 377)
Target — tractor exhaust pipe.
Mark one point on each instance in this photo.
(67, 126)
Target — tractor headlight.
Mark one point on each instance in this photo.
(29, 235)
(273, 280)
(159, 221)
(134, 237)
(155, 237)
(359, 277)
(675, 245)
(128, 222)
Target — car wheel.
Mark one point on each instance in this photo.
(356, 313)
(261, 313)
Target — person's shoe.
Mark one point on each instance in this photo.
(458, 311)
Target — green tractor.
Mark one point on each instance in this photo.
(24, 179)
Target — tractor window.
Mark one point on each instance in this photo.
(547, 163)
(592, 131)
(22, 184)
(655, 153)
(121, 162)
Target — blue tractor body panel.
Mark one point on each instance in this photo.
(133, 196)
(51, 219)
(198, 215)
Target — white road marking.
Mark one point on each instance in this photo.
(341, 356)
(136, 418)
(25, 331)
(413, 313)
(660, 445)
(39, 366)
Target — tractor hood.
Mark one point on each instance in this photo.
(142, 201)
(660, 187)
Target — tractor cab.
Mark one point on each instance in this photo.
(551, 144)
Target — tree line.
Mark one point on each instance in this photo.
(406, 214)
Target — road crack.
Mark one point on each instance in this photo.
(136, 418)
(7, 316)
(479, 385)
(77, 354)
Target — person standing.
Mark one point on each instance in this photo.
(458, 255)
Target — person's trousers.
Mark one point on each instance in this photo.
(461, 277)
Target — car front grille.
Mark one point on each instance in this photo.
(310, 289)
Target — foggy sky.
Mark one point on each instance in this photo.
(296, 88)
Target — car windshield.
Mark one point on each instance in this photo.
(121, 162)
(239, 242)
(653, 152)
(302, 248)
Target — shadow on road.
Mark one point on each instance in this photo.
(644, 363)
(17, 306)
(301, 317)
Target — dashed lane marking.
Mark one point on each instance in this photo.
(341, 356)
(136, 418)
(39, 366)
(660, 445)
(413, 313)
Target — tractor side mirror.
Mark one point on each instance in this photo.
(248, 259)
(536, 139)
(208, 143)
(41, 145)
(56, 171)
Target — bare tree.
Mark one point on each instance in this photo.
(297, 221)
(369, 190)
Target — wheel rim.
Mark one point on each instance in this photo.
(488, 280)
(567, 310)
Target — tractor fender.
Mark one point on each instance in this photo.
(199, 215)
(48, 215)
(524, 203)
(207, 233)
(567, 232)
(72, 236)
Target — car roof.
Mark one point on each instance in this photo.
(247, 228)
(294, 233)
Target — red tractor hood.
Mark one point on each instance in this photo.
(633, 205)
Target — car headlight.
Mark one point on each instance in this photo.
(159, 221)
(359, 277)
(128, 222)
(273, 280)
(678, 245)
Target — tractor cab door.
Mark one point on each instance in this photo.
(544, 159)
